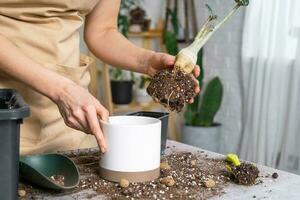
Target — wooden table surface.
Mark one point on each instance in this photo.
(286, 186)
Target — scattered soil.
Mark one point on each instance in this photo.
(21, 193)
(275, 175)
(182, 180)
(124, 183)
(172, 89)
(184, 175)
(58, 179)
(245, 174)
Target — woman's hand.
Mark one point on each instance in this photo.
(80, 110)
(159, 61)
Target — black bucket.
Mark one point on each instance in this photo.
(121, 92)
(12, 111)
(164, 117)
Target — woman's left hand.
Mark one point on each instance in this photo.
(159, 61)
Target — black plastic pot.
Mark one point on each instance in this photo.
(164, 117)
(121, 91)
(12, 111)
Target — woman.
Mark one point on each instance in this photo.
(39, 56)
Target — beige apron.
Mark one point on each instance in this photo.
(47, 32)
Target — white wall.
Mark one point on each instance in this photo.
(154, 9)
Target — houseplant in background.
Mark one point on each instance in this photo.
(199, 127)
(121, 86)
(140, 92)
(123, 20)
(170, 36)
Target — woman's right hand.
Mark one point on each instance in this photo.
(80, 110)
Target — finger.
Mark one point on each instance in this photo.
(196, 71)
(73, 123)
(196, 82)
(101, 110)
(191, 101)
(95, 128)
(166, 59)
(80, 117)
(151, 72)
(197, 90)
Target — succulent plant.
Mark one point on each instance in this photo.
(205, 106)
(197, 113)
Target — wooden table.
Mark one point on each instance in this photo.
(286, 186)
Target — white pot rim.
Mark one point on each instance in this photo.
(146, 121)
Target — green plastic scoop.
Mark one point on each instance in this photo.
(41, 170)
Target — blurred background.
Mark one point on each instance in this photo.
(250, 76)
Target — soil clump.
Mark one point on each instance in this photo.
(172, 89)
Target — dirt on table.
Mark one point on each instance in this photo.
(184, 175)
(58, 179)
(189, 180)
(245, 174)
(275, 175)
(172, 89)
(189, 176)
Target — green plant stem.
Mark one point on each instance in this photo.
(204, 27)
(207, 30)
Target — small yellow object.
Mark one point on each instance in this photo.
(164, 165)
(124, 183)
(228, 168)
(168, 181)
(193, 162)
(233, 158)
(209, 183)
(21, 193)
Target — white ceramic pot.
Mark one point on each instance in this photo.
(207, 138)
(133, 149)
(141, 96)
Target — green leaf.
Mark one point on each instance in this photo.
(123, 25)
(189, 116)
(171, 43)
(174, 19)
(200, 64)
(211, 102)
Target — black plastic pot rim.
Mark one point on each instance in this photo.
(20, 112)
(215, 124)
(163, 114)
(120, 81)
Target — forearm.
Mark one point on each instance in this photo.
(113, 48)
(20, 67)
